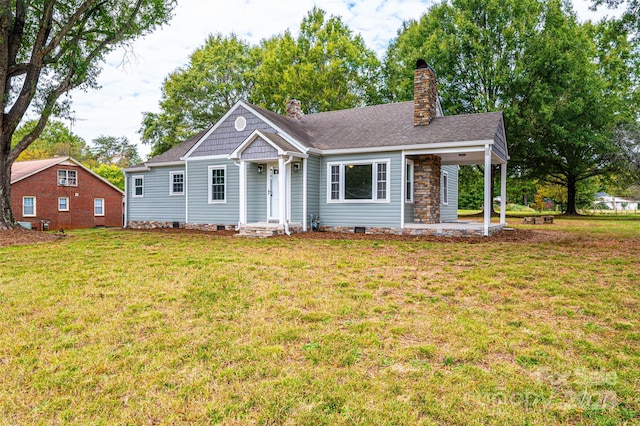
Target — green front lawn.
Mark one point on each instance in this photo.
(122, 327)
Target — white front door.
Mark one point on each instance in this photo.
(273, 192)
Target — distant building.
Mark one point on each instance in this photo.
(615, 203)
(60, 193)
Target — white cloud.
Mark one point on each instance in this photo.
(132, 87)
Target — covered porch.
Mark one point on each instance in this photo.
(270, 168)
(427, 194)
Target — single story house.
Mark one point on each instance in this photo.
(612, 202)
(60, 193)
(389, 168)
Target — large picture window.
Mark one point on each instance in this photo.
(358, 181)
(217, 184)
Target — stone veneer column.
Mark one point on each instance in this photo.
(426, 195)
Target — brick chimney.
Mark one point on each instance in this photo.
(294, 109)
(425, 95)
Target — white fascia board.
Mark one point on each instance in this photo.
(77, 163)
(207, 157)
(166, 164)
(295, 154)
(136, 169)
(213, 129)
(426, 148)
(282, 133)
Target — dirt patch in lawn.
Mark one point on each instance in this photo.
(514, 235)
(15, 237)
(25, 236)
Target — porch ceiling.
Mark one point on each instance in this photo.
(464, 158)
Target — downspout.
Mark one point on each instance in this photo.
(286, 196)
(126, 204)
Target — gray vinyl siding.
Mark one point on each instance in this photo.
(449, 212)
(313, 185)
(256, 193)
(156, 204)
(200, 211)
(225, 138)
(296, 192)
(369, 214)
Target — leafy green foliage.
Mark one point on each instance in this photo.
(474, 46)
(117, 151)
(575, 91)
(55, 139)
(326, 67)
(196, 96)
(110, 172)
(49, 48)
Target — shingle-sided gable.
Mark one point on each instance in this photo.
(225, 137)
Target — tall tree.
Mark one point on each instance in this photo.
(631, 16)
(50, 47)
(326, 68)
(199, 94)
(475, 47)
(574, 93)
(55, 139)
(117, 151)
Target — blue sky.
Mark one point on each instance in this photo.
(131, 79)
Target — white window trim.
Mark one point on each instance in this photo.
(209, 184)
(34, 206)
(445, 188)
(134, 186)
(408, 197)
(374, 179)
(63, 198)
(171, 175)
(94, 207)
(65, 181)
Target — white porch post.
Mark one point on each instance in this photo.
(243, 193)
(403, 188)
(488, 202)
(282, 186)
(503, 194)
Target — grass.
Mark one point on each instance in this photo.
(119, 327)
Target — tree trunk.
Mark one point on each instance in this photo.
(571, 197)
(7, 219)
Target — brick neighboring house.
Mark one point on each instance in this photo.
(64, 194)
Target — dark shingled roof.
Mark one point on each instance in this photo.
(280, 142)
(177, 152)
(388, 125)
(392, 125)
